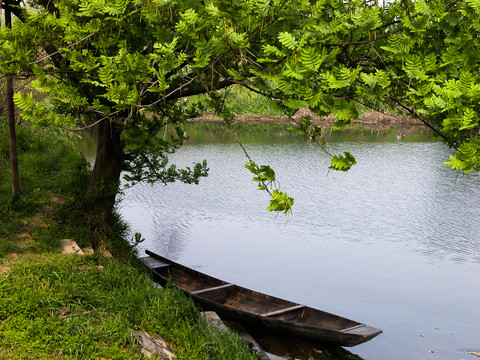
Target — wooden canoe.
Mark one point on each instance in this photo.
(234, 302)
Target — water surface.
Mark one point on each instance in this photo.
(394, 243)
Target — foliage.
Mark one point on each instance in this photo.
(280, 202)
(132, 62)
(264, 174)
(149, 158)
(265, 177)
(342, 162)
(467, 158)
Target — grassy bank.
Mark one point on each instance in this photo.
(250, 107)
(55, 306)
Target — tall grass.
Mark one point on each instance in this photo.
(106, 302)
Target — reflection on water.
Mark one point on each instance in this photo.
(279, 347)
(260, 133)
(393, 243)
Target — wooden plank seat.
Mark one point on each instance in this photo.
(284, 310)
(154, 264)
(160, 266)
(196, 292)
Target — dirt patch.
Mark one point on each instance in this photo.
(8, 262)
(58, 200)
(23, 235)
(368, 120)
(37, 221)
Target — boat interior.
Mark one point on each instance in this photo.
(242, 299)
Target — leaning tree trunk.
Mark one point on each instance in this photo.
(105, 179)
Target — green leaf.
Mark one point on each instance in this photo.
(288, 40)
(310, 58)
(295, 104)
(264, 174)
(422, 7)
(345, 111)
(475, 4)
(414, 67)
(469, 119)
(342, 162)
(280, 202)
(467, 158)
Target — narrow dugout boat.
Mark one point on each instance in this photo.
(234, 302)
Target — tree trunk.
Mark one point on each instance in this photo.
(12, 138)
(105, 180)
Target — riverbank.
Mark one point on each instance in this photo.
(55, 306)
(369, 119)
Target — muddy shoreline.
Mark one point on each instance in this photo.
(368, 120)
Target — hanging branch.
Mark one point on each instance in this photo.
(264, 174)
(219, 109)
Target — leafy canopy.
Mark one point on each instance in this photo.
(132, 62)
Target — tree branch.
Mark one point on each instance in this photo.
(364, 41)
(425, 121)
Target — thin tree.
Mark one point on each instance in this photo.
(12, 139)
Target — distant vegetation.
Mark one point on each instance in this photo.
(240, 101)
(246, 102)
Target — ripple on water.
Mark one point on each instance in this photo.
(394, 242)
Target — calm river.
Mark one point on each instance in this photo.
(394, 243)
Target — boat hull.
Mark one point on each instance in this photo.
(250, 307)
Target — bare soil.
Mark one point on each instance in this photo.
(368, 120)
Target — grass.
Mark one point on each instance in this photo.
(106, 301)
(55, 306)
(242, 101)
(245, 102)
(48, 168)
